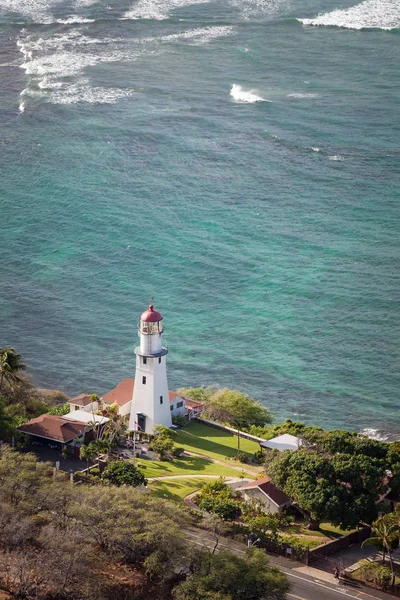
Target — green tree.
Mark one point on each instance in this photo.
(10, 365)
(237, 409)
(343, 489)
(123, 473)
(6, 423)
(162, 431)
(200, 394)
(384, 537)
(162, 445)
(60, 409)
(88, 452)
(224, 576)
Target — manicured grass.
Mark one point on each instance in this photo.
(191, 465)
(216, 443)
(177, 489)
(327, 531)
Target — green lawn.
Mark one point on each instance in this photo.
(186, 466)
(215, 443)
(327, 531)
(177, 489)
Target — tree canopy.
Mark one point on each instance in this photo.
(226, 576)
(123, 473)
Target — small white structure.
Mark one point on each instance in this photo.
(283, 442)
(86, 417)
(83, 402)
(150, 401)
(266, 494)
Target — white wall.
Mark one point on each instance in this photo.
(146, 396)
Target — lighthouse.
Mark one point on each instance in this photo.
(150, 402)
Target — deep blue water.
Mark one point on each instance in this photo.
(236, 164)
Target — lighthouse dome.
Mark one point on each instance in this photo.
(150, 315)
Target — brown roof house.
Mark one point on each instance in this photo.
(265, 493)
(54, 428)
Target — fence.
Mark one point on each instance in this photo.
(356, 537)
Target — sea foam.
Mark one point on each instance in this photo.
(157, 9)
(242, 96)
(371, 14)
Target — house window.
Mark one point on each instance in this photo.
(76, 407)
(179, 405)
(159, 360)
(143, 379)
(144, 360)
(172, 407)
(161, 399)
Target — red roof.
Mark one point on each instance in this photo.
(265, 485)
(54, 427)
(81, 400)
(151, 315)
(123, 393)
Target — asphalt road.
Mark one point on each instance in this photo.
(303, 587)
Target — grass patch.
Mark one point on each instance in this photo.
(191, 465)
(215, 443)
(177, 489)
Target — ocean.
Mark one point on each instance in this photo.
(235, 160)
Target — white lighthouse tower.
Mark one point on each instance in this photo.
(150, 401)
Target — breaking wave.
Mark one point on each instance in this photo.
(371, 14)
(157, 9)
(376, 434)
(41, 11)
(242, 96)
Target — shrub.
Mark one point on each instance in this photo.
(226, 508)
(259, 457)
(95, 471)
(242, 457)
(179, 420)
(178, 451)
(123, 473)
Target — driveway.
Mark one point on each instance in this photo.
(46, 454)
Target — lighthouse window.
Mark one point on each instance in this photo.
(161, 399)
(143, 379)
(159, 360)
(144, 360)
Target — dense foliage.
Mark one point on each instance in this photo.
(225, 576)
(123, 473)
(216, 497)
(339, 477)
(59, 540)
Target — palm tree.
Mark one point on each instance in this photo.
(384, 533)
(10, 364)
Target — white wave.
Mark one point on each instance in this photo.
(202, 35)
(75, 19)
(375, 434)
(21, 107)
(371, 14)
(83, 92)
(336, 157)
(315, 149)
(302, 95)
(40, 11)
(240, 95)
(157, 9)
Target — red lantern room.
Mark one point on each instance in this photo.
(150, 321)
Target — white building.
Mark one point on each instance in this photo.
(283, 442)
(150, 400)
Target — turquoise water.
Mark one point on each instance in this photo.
(239, 165)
